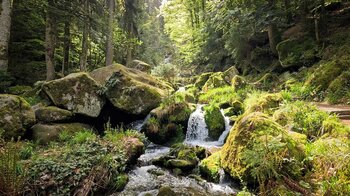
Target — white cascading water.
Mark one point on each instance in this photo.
(197, 131)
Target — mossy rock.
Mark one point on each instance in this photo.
(297, 52)
(16, 116)
(238, 82)
(134, 148)
(230, 73)
(236, 108)
(166, 191)
(140, 65)
(202, 79)
(266, 103)
(215, 121)
(243, 153)
(215, 80)
(52, 114)
(325, 74)
(19, 90)
(338, 90)
(77, 92)
(45, 133)
(130, 90)
(182, 164)
(267, 82)
(210, 167)
(168, 123)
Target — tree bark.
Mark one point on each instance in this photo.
(110, 37)
(272, 31)
(5, 28)
(66, 47)
(50, 43)
(288, 11)
(85, 47)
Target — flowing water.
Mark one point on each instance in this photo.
(197, 131)
(146, 178)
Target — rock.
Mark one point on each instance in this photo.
(45, 133)
(266, 103)
(184, 165)
(168, 123)
(246, 142)
(140, 65)
(19, 90)
(202, 79)
(337, 91)
(52, 114)
(238, 82)
(134, 148)
(230, 73)
(215, 80)
(235, 108)
(77, 92)
(166, 191)
(16, 116)
(297, 52)
(215, 121)
(130, 90)
(210, 167)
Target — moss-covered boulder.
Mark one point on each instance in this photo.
(230, 73)
(297, 52)
(255, 151)
(327, 71)
(267, 82)
(77, 92)
(134, 148)
(166, 191)
(265, 102)
(140, 65)
(238, 82)
(53, 114)
(130, 90)
(338, 90)
(16, 116)
(235, 108)
(45, 133)
(210, 167)
(215, 121)
(168, 123)
(202, 79)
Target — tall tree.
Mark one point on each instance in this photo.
(110, 37)
(85, 47)
(50, 41)
(5, 27)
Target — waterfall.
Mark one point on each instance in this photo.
(197, 129)
(137, 125)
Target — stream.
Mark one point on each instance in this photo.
(146, 178)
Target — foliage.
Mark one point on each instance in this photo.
(13, 175)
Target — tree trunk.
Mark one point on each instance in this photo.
(66, 48)
(85, 47)
(110, 37)
(288, 11)
(129, 49)
(272, 31)
(5, 27)
(50, 43)
(304, 10)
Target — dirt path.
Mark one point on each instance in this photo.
(343, 111)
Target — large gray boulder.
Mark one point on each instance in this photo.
(52, 114)
(130, 90)
(77, 92)
(16, 116)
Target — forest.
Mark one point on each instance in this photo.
(175, 97)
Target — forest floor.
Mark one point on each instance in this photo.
(343, 111)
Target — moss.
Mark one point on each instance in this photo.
(338, 90)
(238, 82)
(76, 92)
(202, 79)
(223, 95)
(255, 151)
(52, 114)
(16, 115)
(323, 76)
(235, 109)
(210, 167)
(263, 102)
(216, 80)
(19, 90)
(121, 182)
(230, 73)
(297, 52)
(215, 121)
(166, 191)
(267, 82)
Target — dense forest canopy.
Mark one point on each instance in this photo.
(174, 97)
